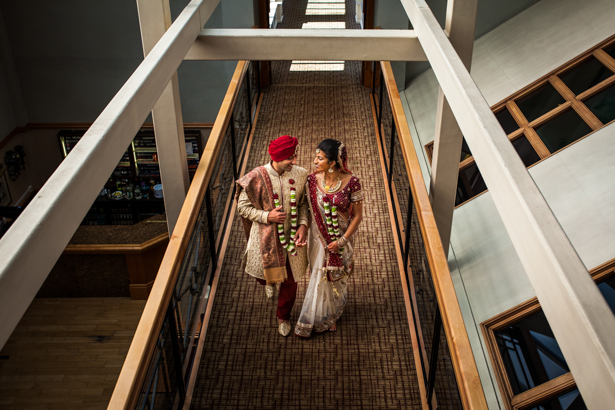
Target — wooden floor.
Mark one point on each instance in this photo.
(67, 353)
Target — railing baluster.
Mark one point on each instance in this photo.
(177, 358)
(392, 152)
(258, 76)
(233, 148)
(154, 365)
(249, 102)
(433, 360)
(408, 228)
(210, 226)
(382, 91)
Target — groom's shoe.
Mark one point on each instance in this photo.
(284, 328)
(269, 291)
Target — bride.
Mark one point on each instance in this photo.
(335, 199)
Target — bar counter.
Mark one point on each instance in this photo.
(109, 261)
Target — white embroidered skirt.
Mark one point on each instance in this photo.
(324, 300)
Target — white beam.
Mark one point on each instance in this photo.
(33, 244)
(578, 314)
(448, 139)
(313, 44)
(154, 20)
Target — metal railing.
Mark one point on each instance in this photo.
(449, 380)
(160, 360)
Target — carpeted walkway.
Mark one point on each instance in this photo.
(367, 363)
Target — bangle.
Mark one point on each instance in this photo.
(342, 241)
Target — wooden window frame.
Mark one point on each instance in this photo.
(544, 391)
(572, 102)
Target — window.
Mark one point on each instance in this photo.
(550, 114)
(530, 368)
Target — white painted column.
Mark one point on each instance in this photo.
(460, 26)
(154, 20)
(578, 314)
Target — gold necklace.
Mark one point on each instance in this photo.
(329, 188)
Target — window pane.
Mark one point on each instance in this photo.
(567, 401)
(465, 151)
(525, 151)
(585, 75)
(608, 291)
(563, 130)
(603, 105)
(469, 184)
(507, 121)
(530, 353)
(540, 102)
(610, 50)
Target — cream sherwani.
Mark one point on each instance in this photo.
(252, 259)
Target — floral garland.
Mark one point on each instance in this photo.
(290, 245)
(331, 219)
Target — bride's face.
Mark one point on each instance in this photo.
(321, 162)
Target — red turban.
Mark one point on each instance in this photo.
(283, 148)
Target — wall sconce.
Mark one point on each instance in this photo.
(15, 162)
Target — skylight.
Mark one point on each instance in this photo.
(313, 65)
(325, 9)
(324, 24)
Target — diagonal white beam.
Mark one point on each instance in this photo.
(578, 314)
(448, 139)
(33, 244)
(314, 44)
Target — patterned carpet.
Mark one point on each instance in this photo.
(367, 363)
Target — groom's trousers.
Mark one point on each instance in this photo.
(288, 294)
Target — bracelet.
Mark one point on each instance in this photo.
(342, 241)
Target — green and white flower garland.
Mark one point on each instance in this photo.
(332, 222)
(288, 245)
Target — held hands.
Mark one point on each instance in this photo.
(277, 215)
(301, 236)
(333, 247)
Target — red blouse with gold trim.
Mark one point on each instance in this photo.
(343, 199)
(351, 194)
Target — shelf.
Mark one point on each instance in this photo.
(104, 199)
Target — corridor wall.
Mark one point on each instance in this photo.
(576, 182)
(8, 119)
(7, 116)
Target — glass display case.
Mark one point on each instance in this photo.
(129, 195)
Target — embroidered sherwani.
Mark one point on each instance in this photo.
(252, 259)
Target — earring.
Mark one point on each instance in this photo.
(331, 170)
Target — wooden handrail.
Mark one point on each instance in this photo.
(466, 372)
(96, 249)
(128, 386)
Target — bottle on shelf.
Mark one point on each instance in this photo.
(128, 191)
(144, 190)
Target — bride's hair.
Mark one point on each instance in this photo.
(330, 147)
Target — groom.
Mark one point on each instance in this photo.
(268, 256)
